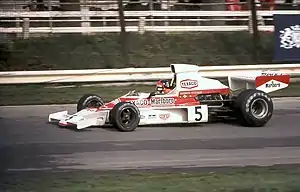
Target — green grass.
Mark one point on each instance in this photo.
(38, 94)
(232, 180)
(148, 50)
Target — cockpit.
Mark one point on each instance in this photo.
(165, 86)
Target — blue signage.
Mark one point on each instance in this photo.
(287, 37)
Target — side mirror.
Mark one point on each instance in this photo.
(151, 94)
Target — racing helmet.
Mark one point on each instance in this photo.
(162, 87)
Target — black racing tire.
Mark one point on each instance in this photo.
(253, 108)
(125, 116)
(89, 100)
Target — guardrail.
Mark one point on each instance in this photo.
(86, 21)
(57, 14)
(134, 74)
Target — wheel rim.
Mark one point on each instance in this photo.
(259, 108)
(93, 104)
(127, 116)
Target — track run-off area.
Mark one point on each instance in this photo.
(28, 142)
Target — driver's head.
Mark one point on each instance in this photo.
(162, 87)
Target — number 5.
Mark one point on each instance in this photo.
(198, 113)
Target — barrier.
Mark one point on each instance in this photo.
(134, 74)
(87, 21)
(181, 14)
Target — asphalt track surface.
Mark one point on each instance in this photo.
(28, 142)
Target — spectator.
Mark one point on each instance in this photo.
(269, 5)
(233, 5)
(244, 5)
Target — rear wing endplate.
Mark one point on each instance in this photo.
(266, 81)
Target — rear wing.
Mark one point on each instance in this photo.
(266, 81)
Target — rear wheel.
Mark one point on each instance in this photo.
(89, 101)
(253, 108)
(125, 116)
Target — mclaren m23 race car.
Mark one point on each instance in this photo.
(186, 98)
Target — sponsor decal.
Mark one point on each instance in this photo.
(190, 93)
(91, 109)
(287, 37)
(272, 84)
(189, 83)
(271, 74)
(154, 101)
(152, 116)
(290, 37)
(141, 102)
(162, 101)
(142, 117)
(197, 92)
(164, 116)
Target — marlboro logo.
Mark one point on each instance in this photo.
(272, 84)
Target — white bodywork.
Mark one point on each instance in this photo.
(188, 79)
(249, 82)
(185, 73)
(190, 114)
(93, 117)
(82, 119)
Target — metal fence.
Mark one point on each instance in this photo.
(64, 21)
(88, 16)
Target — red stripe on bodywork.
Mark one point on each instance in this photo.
(189, 101)
(223, 91)
(185, 98)
(65, 124)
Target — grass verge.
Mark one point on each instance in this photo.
(147, 50)
(39, 94)
(230, 180)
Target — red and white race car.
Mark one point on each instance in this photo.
(186, 98)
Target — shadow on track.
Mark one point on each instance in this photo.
(109, 127)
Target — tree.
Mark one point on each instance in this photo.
(123, 34)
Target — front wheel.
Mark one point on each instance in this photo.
(89, 101)
(253, 108)
(125, 116)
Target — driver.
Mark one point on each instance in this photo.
(163, 87)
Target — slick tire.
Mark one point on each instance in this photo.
(89, 100)
(125, 116)
(253, 108)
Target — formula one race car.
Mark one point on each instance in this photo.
(187, 98)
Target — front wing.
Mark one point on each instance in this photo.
(82, 119)
(154, 115)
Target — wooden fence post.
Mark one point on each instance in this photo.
(142, 24)
(85, 24)
(25, 29)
